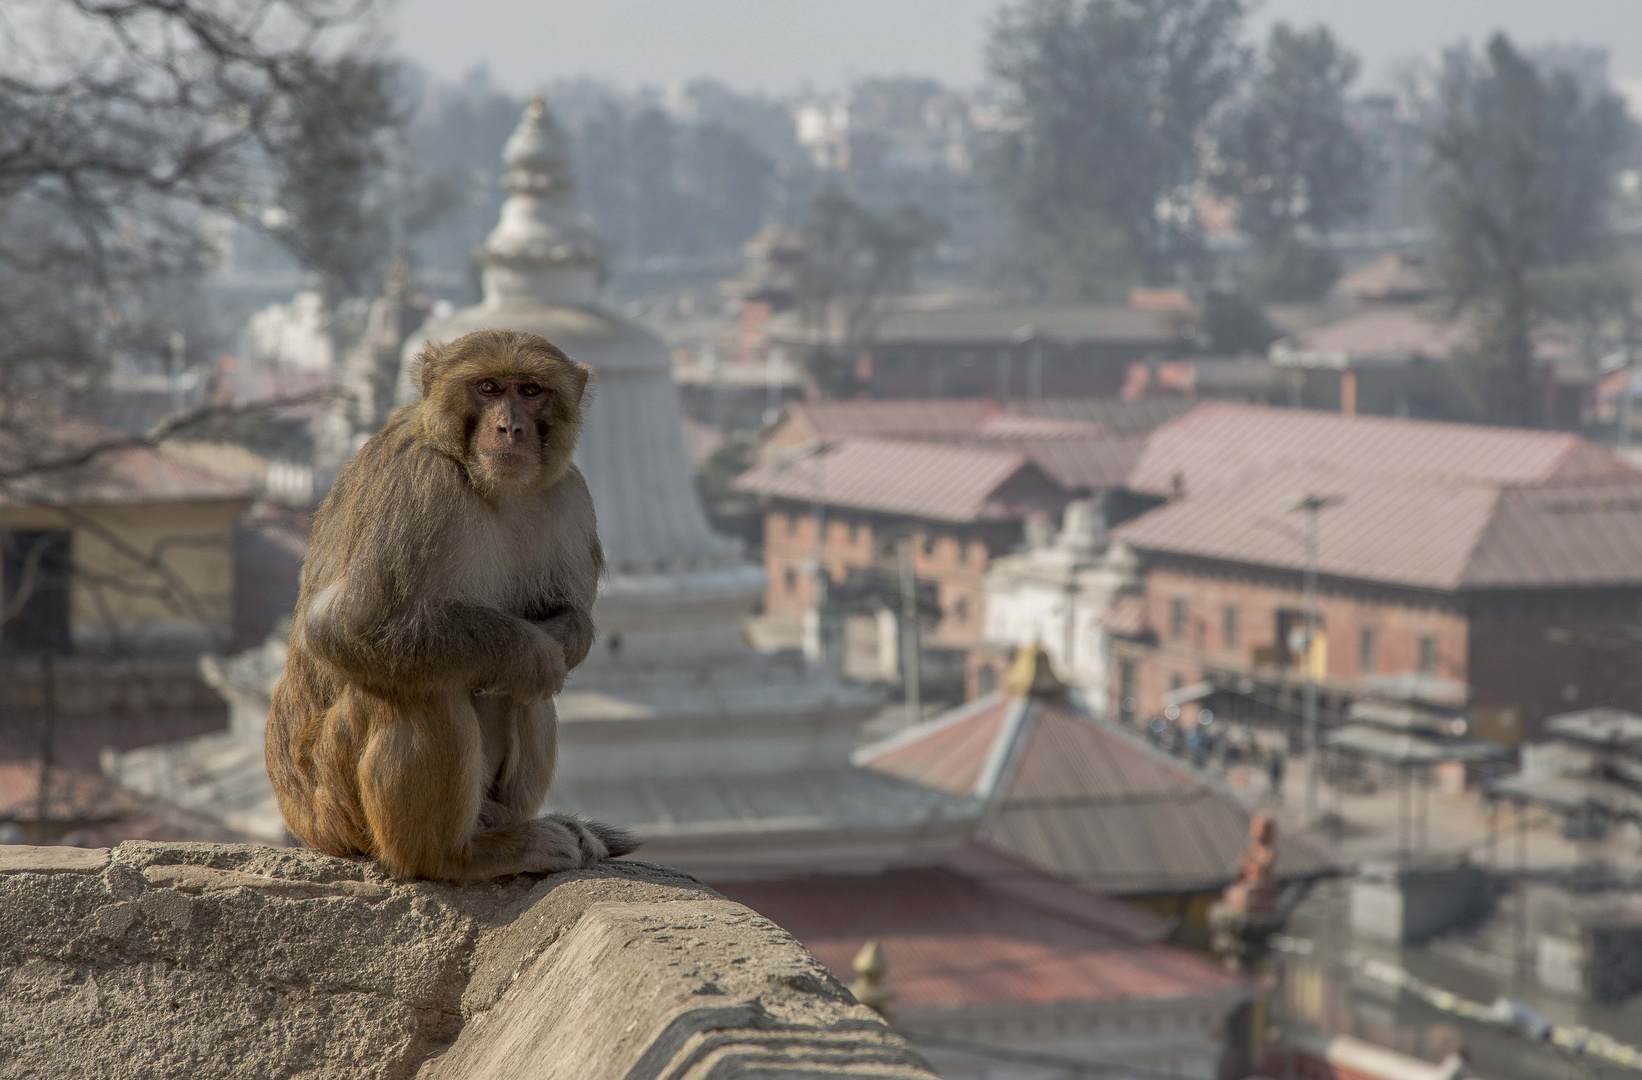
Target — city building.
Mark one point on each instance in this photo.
(126, 550)
(960, 505)
(1056, 595)
(1396, 360)
(1003, 351)
(1484, 567)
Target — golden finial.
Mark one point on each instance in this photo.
(1032, 675)
(869, 988)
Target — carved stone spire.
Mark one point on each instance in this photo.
(540, 249)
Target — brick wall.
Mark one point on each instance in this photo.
(954, 557)
(1536, 654)
(1404, 626)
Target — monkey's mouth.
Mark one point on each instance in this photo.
(506, 460)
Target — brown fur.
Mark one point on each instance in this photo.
(441, 608)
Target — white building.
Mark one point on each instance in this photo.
(1057, 594)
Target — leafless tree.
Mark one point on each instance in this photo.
(132, 130)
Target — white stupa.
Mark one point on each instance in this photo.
(729, 764)
(667, 569)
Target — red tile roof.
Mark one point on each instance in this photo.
(941, 481)
(1581, 533)
(949, 752)
(1087, 801)
(1415, 532)
(1080, 464)
(1126, 617)
(1381, 335)
(1224, 445)
(124, 475)
(71, 794)
(940, 418)
(954, 941)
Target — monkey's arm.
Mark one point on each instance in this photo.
(573, 629)
(570, 619)
(431, 643)
(376, 601)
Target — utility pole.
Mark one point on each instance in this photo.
(911, 647)
(1311, 505)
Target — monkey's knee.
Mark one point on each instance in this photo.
(421, 791)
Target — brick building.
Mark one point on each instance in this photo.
(1003, 351)
(961, 505)
(1491, 567)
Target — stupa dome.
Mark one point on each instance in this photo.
(541, 273)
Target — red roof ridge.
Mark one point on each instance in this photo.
(1018, 880)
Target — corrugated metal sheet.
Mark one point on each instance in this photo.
(1222, 445)
(1389, 334)
(1120, 417)
(952, 943)
(71, 795)
(943, 481)
(942, 418)
(1587, 533)
(1406, 532)
(1100, 463)
(949, 752)
(1072, 324)
(1415, 531)
(126, 475)
(1126, 617)
(1092, 803)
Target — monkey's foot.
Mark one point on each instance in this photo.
(593, 841)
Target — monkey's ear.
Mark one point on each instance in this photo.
(578, 380)
(429, 366)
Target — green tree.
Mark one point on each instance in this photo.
(1107, 100)
(1523, 163)
(1289, 158)
(853, 261)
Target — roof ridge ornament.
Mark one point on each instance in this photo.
(1033, 675)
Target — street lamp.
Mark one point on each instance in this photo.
(1311, 505)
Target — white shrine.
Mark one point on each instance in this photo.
(729, 763)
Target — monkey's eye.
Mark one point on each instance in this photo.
(529, 389)
(489, 386)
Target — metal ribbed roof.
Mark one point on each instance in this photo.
(125, 474)
(1120, 417)
(1087, 801)
(1004, 325)
(944, 418)
(942, 481)
(1585, 533)
(1222, 445)
(1414, 531)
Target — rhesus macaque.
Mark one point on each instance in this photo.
(447, 592)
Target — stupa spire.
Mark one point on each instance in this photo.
(539, 246)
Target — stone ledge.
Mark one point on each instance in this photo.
(205, 961)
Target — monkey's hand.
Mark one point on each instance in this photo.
(533, 672)
(572, 628)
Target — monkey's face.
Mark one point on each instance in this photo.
(505, 404)
(511, 416)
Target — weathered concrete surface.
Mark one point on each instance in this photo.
(208, 960)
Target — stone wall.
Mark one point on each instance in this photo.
(204, 961)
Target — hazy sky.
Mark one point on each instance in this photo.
(778, 45)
